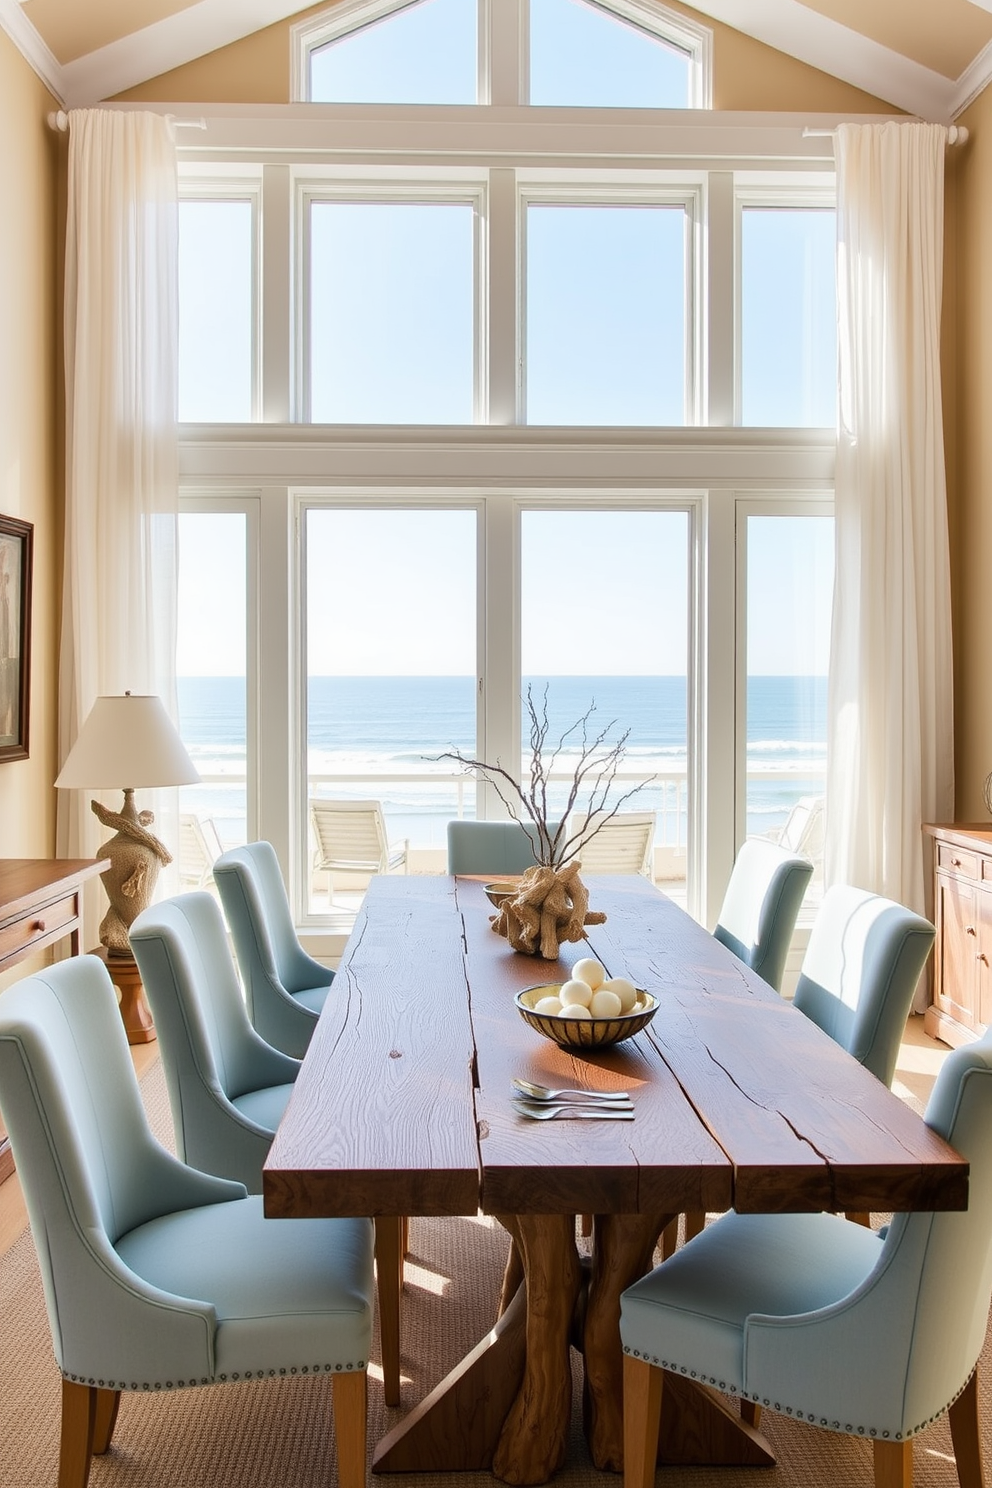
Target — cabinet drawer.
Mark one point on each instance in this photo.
(38, 927)
(958, 860)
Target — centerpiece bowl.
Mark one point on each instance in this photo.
(583, 1033)
(502, 888)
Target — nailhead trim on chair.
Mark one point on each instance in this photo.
(80, 1379)
(789, 1410)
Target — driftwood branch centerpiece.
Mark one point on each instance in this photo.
(551, 904)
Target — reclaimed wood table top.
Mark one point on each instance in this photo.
(403, 1104)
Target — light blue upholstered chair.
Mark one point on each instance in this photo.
(492, 847)
(284, 987)
(157, 1276)
(228, 1088)
(860, 971)
(827, 1321)
(761, 905)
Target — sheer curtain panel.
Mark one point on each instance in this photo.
(121, 357)
(890, 752)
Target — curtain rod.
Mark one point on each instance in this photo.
(957, 134)
(60, 122)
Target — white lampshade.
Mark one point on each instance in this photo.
(126, 743)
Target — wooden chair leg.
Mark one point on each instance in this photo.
(893, 1464)
(585, 1225)
(350, 1399)
(105, 1419)
(76, 1439)
(857, 1217)
(966, 1435)
(642, 1390)
(406, 1238)
(389, 1282)
(751, 1413)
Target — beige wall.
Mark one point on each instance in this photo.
(746, 75)
(30, 461)
(968, 423)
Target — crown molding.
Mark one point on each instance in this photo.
(169, 43)
(31, 47)
(793, 28)
(974, 80)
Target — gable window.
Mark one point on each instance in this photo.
(628, 54)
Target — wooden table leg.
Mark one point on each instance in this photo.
(623, 1245)
(533, 1441)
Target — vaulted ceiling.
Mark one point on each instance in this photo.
(929, 57)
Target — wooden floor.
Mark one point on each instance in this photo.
(920, 1059)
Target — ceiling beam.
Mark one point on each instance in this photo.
(34, 51)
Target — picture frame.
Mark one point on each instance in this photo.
(16, 556)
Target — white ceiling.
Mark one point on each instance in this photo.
(929, 57)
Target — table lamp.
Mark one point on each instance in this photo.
(129, 738)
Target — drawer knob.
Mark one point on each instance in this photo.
(39, 925)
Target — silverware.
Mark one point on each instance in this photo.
(586, 1097)
(571, 1112)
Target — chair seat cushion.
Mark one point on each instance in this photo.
(265, 1106)
(312, 998)
(289, 1294)
(689, 1314)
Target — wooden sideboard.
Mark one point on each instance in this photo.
(961, 1000)
(39, 906)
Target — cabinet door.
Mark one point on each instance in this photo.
(958, 947)
(983, 952)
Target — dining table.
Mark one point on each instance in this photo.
(404, 1106)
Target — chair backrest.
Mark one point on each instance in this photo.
(898, 1349)
(199, 849)
(349, 835)
(211, 1053)
(860, 971)
(761, 906)
(623, 844)
(492, 847)
(273, 964)
(89, 1165)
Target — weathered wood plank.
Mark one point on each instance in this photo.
(663, 1160)
(804, 1125)
(382, 1120)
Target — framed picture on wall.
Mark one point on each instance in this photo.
(15, 636)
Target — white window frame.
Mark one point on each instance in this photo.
(788, 191)
(207, 185)
(503, 29)
(648, 192)
(412, 189)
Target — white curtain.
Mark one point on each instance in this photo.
(890, 742)
(121, 358)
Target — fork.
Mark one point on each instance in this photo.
(586, 1097)
(572, 1112)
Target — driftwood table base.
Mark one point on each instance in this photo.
(507, 1406)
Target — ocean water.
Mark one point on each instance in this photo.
(397, 726)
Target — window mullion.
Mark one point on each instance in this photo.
(718, 622)
(720, 320)
(506, 29)
(501, 291)
(275, 279)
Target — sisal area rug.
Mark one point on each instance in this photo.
(279, 1434)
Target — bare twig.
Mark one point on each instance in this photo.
(595, 772)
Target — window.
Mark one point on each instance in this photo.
(212, 671)
(788, 316)
(391, 671)
(607, 314)
(216, 303)
(392, 312)
(421, 53)
(789, 585)
(498, 352)
(584, 55)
